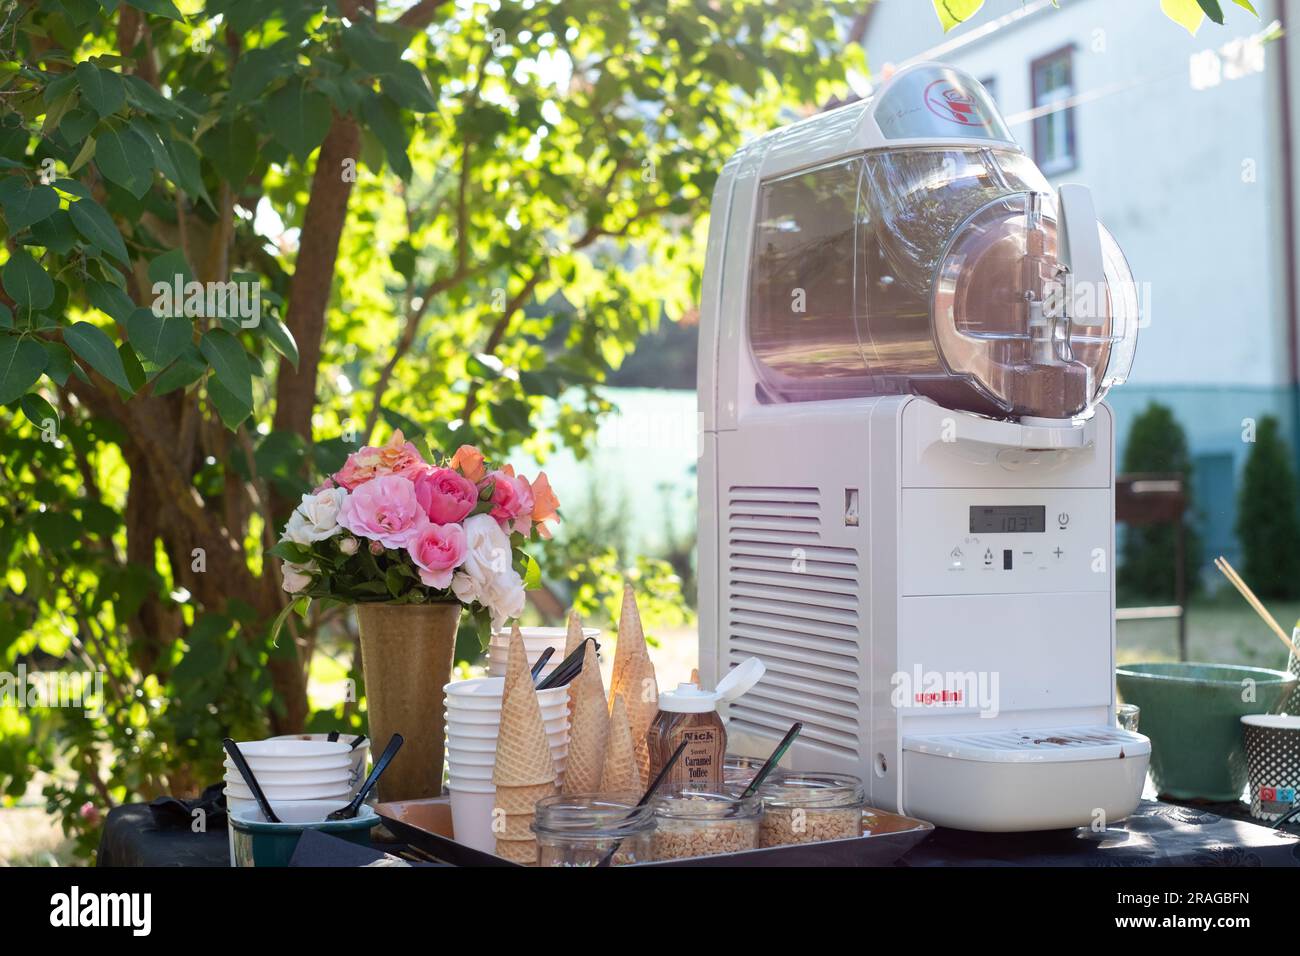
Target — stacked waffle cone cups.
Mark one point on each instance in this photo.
(523, 772)
(633, 680)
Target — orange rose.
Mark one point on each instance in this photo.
(468, 460)
(545, 504)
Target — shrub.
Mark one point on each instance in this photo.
(1267, 523)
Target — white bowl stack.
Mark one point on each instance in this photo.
(536, 641)
(290, 770)
(473, 719)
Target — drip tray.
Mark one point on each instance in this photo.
(1037, 745)
(1033, 779)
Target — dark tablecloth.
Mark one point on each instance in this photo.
(1158, 834)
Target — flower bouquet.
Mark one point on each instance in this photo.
(410, 543)
(391, 528)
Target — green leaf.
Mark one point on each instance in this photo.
(185, 158)
(231, 147)
(280, 337)
(229, 362)
(96, 349)
(385, 120)
(21, 363)
(39, 411)
(166, 267)
(77, 124)
(159, 8)
(109, 299)
(302, 118)
(26, 282)
(124, 158)
(103, 89)
(54, 115)
(59, 365)
(254, 72)
(56, 530)
(148, 100)
(160, 339)
(1186, 13)
(1246, 5)
(953, 12)
(134, 370)
(406, 85)
(96, 226)
(230, 407)
(1212, 10)
(183, 373)
(29, 205)
(55, 232)
(368, 49)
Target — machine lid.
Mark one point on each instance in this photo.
(1034, 745)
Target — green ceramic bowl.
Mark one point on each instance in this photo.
(258, 843)
(1192, 713)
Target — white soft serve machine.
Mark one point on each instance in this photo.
(906, 484)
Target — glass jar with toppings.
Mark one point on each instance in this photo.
(810, 808)
(738, 770)
(584, 829)
(696, 822)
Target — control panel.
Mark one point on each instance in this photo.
(1005, 541)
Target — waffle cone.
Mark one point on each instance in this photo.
(631, 644)
(513, 801)
(518, 851)
(642, 706)
(523, 756)
(621, 770)
(574, 637)
(588, 728)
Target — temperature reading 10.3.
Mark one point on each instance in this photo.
(1001, 519)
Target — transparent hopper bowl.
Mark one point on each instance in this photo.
(1009, 318)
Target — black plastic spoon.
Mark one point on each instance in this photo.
(246, 772)
(350, 811)
(358, 742)
(545, 656)
(770, 764)
(567, 669)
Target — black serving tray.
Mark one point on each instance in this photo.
(426, 824)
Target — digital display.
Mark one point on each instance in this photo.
(1005, 519)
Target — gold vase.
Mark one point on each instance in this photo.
(406, 656)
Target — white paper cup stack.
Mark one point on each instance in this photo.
(290, 770)
(473, 719)
(357, 771)
(536, 641)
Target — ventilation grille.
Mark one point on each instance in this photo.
(793, 602)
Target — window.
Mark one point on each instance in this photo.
(990, 83)
(1055, 144)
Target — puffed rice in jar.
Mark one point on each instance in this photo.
(692, 822)
(810, 808)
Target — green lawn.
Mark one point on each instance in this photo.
(1218, 631)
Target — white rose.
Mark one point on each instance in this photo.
(486, 575)
(297, 577)
(348, 546)
(317, 518)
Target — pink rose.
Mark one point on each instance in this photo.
(446, 496)
(385, 510)
(512, 500)
(437, 551)
(397, 457)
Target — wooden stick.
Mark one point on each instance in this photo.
(1231, 574)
